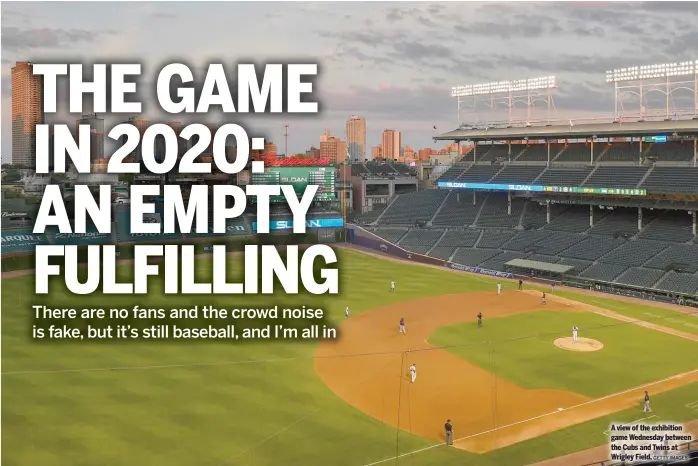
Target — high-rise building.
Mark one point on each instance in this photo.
(27, 112)
(356, 138)
(377, 152)
(96, 135)
(333, 149)
(140, 124)
(325, 136)
(391, 144)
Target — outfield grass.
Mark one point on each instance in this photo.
(201, 405)
(631, 356)
(683, 321)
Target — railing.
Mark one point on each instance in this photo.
(622, 117)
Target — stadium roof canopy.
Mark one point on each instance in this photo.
(539, 266)
(600, 130)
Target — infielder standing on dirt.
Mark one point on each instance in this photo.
(575, 329)
(646, 407)
(402, 325)
(413, 372)
(499, 288)
(449, 432)
(346, 313)
(542, 299)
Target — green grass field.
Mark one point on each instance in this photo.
(631, 356)
(253, 404)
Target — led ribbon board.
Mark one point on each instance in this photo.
(541, 188)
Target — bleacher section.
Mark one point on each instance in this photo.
(613, 177)
(662, 255)
(407, 209)
(458, 210)
(474, 228)
(671, 151)
(679, 180)
(518, 174)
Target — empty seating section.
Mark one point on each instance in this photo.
(517, 174)
(420, 240)
(381, 169)
(575, 153)
(683, 257)
(556, 243)
(663, 255)
(638, 276)
(619, 152)
(535, 216)
(616, 177)
(634, 253)
(677, 180)
(479, 173)
(538, 153)
(670, 226)
(460, 238)
(452, 173)
(603, 272)
(679, 282)
(563, 177)
(442, 252)
(671, 151)
(493, 239)
(412, 207)
(525, 240)
(592, 248)
(573, 218)
(473, 257)
(458, 210)
(357, 169)
(495, 214)
(487, 153)
(391, 235)
(372, 215)
(616, 222)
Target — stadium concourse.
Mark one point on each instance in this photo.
(617, 202)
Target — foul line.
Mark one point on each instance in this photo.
(586, 403)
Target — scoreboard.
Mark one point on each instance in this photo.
(299, 178)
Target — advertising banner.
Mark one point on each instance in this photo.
(276, 225)
(21, 240)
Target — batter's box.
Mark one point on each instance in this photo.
(606, 432)
(693, 405)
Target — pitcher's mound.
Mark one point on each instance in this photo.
(582, 344)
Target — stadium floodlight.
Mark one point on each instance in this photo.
(663, 70)
(501, 87)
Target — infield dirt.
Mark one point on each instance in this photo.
(487, 412)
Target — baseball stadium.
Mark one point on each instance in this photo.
(540, 227)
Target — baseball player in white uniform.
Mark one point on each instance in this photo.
(499, 288)
(575, 329)
(346, 313)
(392, 285)
(413, 372)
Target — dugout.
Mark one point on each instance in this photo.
(538, 269)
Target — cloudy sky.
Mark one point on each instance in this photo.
(392, 63)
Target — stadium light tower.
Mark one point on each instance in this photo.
(666, 79)
(507, 93)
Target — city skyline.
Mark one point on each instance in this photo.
(371, 65)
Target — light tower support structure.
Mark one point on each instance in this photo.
(637, 82)
(507, 94)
